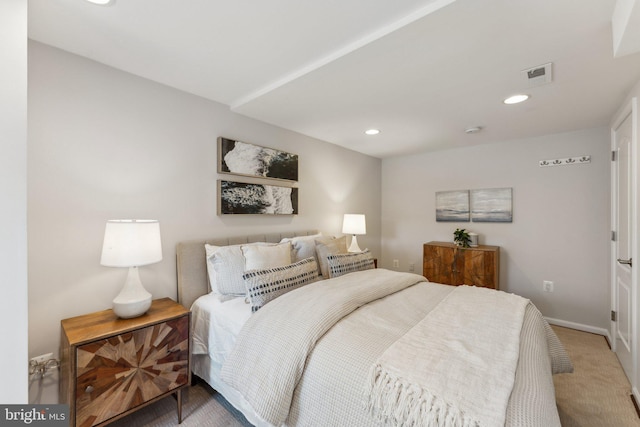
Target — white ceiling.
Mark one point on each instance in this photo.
(421, 71)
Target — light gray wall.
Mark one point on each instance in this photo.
(560, 229)
(104, 144)
(13, 201)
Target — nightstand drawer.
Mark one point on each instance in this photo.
(121, 372)
(111, 367)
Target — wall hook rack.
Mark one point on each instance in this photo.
(579, 160)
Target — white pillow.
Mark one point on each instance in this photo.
(225, 266)
(211, 271)
(261, 257)
(300, 238)
(303, 247)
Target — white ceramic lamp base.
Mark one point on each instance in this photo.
(133, 300)
(354, 245)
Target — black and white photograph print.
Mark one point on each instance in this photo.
(241, 158)
(452, 206)
(244, 198)
(491, 205)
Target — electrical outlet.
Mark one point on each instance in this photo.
(41, 359)
(40, 365)
(412, 267)
(396, 263)
(547, 285)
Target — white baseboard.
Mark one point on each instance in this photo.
(579, 327)
(635, 397)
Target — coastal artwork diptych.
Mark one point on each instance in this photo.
(245, 198)
(241, 158)
(491, 205)
(452, 206)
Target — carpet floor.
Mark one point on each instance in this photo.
(597, 394)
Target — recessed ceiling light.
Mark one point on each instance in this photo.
(101, 2)
(516, 99)
(372, 132)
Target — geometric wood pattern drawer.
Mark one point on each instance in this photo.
(111, 374)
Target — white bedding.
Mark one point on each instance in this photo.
(216, 324)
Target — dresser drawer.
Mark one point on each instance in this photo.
(118, 373)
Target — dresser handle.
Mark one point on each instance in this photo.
(89, 389)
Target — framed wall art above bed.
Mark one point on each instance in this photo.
(241, 158)
(246, 198)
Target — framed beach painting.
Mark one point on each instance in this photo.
(452, 206)
(242, 158)
(491, 205)
(245, 198)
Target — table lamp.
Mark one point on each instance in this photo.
(131, 243)
(354, 224)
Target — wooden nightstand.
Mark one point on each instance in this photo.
(111, 367)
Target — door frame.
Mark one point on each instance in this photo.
(630, 109)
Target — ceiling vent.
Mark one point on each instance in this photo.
(537, 76)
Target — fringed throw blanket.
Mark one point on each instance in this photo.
(454, 368)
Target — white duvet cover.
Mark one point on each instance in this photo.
(216, 324)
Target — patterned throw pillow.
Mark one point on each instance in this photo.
(326, 246)
(340, 264)
(266, 285)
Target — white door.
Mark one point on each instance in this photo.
(623, 257)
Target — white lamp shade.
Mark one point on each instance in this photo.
(131, 243)
(354, 224)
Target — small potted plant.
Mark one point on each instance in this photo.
(461, 238)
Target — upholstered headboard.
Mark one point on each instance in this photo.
(192, 265)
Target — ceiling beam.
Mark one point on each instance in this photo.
(431, 7)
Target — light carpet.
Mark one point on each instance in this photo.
(597, 394)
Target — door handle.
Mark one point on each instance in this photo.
(626, 261)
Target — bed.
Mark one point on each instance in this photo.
(365, 346)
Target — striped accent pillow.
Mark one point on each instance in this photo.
(340, 264)
(326, 246)
(266, 285)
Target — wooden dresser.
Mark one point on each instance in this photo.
(447, 263)
(111, 367)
